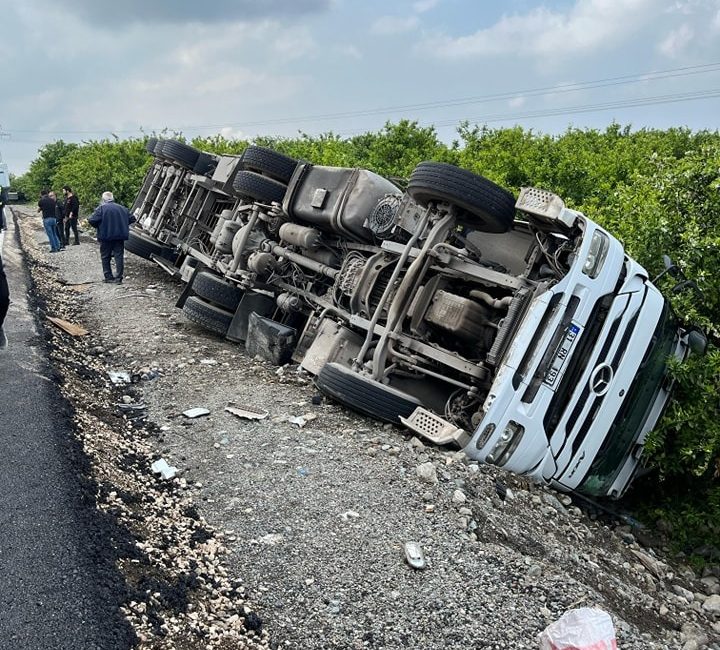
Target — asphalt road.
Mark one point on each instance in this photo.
(59, 588)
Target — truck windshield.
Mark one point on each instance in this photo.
(635, 410)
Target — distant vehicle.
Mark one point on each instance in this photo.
(517, 329)
(4, 175)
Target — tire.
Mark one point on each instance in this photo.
(258, 187)
(145, 246)
(158, 150)
(205, 164)
(209, 316)
(217, 290)
(268, 162)
(181, 153)
(150, 145)
(483, 204)
(365, 395)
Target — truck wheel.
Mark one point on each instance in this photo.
(258, 187)
(159, 146)
(266, 161)
(205, 164)
(208, 316)
(217, 290)
(484, 205)
(150, 145)
(145, 246)
(181, 153)
(364, 394)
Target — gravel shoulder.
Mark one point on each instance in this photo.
(273, 535)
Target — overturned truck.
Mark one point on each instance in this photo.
(517, 329)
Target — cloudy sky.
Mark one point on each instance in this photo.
(86, 69)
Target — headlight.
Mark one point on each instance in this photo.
(506, 445)
(599, 246)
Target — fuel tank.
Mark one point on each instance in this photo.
(336, 199)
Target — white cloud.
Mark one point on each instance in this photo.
(517, 102)
(676, 41)
(390, 25)
(230, 133)
(421, 6)
(587, 26)
(350, 51)
(295, 44)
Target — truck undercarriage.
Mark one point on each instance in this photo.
(472, 318)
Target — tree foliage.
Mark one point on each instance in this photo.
(656, 190)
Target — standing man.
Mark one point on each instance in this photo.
(59, 216)
(4, 304)
(46, 205)
(4, 290)
(72, 210)
(112, 221)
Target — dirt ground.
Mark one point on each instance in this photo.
(277, 535)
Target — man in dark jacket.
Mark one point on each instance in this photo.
(112, 221)
(72, 210)
(4, 304)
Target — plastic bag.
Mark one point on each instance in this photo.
(580, 629)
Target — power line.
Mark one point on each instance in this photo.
(535, 92)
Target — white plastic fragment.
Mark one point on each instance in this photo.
(414, 555)
(348, 514)
(586, 628)
(161, 467)
(247, 414)
(301, 420)
(196, 412)
(119, 377)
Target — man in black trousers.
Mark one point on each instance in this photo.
(112, 221)
(4, 304)
(72, 210)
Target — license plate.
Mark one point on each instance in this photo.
(561, 356)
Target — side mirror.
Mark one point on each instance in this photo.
(671, 269)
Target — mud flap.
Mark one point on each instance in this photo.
(251, 303)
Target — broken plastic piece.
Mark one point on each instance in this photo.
(414, 555)
(119, 377)
(247, 414)
(586, 628)
(196, 412)
(161, 467)
(301, 420)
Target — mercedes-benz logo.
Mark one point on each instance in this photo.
(601, 378)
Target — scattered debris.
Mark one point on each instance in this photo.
(196, 412)
(301, 420)
(166, 471)
(585, 628)
(246, 414)
(414, 555)
(70, 328)
(426, 472)
(119, 377)
(349, 514)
